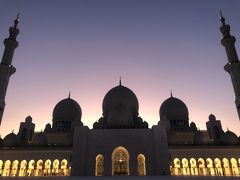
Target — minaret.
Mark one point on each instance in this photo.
(6, 68)
(233, 65)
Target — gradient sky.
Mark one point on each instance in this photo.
(85, 46)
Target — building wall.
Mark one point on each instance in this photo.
(88, 144)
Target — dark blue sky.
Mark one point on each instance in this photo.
(84, 46)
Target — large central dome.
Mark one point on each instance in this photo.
(120, 95)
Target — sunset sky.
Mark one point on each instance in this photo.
(86, 45)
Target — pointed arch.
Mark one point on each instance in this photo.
(141, 165)
(6, 169)
(235, 171)
(226, 167)
(64, 168)
(39, 168)
(55, 167)
(14, 168)
(47, 167)
(201, 167)
(210, 169)
(185, 167)
(31, 165)
(218, 167)
(120, 161)
(23, 166)
(193, 166)
(99, 165)
(177, 166)
(1, 167)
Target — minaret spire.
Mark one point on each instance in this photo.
(120, 81)
(222, 19)
(233, 64)
(6, 68)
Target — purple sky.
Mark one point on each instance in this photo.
(85, 46)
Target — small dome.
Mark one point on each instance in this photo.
(120, 95)
(201, 138)
(193, 126)
(10, 140)
(211, 117)
(28, 119)
(229, 138)
(47, 128)
(173, 109)
(67, 110)
(40, 139)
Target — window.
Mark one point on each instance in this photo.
(99, 168)
(141, 165)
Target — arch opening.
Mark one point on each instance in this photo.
(120, 161)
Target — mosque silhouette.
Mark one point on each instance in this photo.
(120, 142)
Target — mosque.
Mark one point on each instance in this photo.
(120, 142)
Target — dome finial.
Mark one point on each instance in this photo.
(227, 129)
(16, 21)
(120, 81)
(69, 94)
(171, 93)
(222, 18)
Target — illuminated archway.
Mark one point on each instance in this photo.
(235, 171)
(1, 166)
(177, 166)
(6, 169)
(218, 167)
(30, 170)
(55, 167)
(193, 165)
(14, 168)
(99, 169)
(23, 166)
(47, 167)
(64, 170)
(185, 167)
(120, 161)
(141, 165)
(226, 167)
(39, 168)
(201, 167)
(210, 169)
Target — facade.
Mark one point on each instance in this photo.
(121, 142)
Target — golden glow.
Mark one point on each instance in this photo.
(99, 170)
(193, 166)
(235, 170)
(31, 168)
(212, 168)
(120, 161)
(141, 165)
(185, 167)
(6, 169)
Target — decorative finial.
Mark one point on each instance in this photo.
(16, 20)
(222, 18)
(120, 81)
(69, 95)
(171, 93)
(13, 131)
(227, 129)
